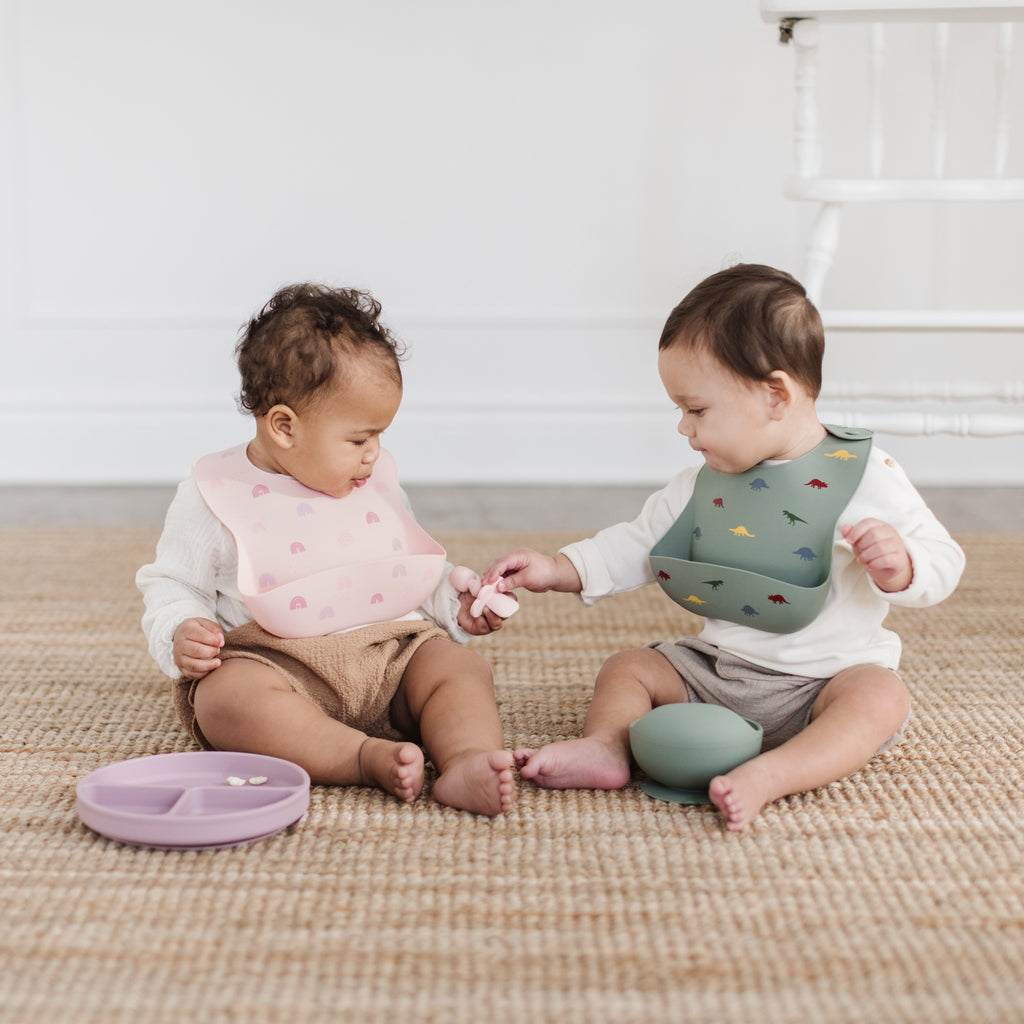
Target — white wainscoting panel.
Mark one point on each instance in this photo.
(528, 192)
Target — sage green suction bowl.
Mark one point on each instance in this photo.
(682, 747)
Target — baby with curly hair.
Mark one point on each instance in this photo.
(299, 607)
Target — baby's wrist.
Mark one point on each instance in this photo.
(567, 578)
(899, 582)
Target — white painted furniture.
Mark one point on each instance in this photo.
(799, 25)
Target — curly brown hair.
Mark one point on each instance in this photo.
(754, 320)
(297, 346)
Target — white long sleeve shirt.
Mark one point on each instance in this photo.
(195, 575)
(849, 629)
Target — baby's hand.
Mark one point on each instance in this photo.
(534, 571)
(880, 549)
(477, 625)
(481, 609)
(197, 644)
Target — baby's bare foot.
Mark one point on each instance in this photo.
(740, 794)
(480, 782)
(584, 763)
(397, 768)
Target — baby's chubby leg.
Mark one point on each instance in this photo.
(246, 705)
(628, 685)
(447, 692)
(855, 713)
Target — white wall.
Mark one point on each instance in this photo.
(528, 188)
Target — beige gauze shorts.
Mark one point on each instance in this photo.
(351, 676)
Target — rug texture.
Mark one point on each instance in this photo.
(894, 895)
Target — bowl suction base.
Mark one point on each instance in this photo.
(676, 796)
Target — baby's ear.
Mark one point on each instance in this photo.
(280, 423)
(780, 392)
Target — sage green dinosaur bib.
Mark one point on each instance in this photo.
(756, 547)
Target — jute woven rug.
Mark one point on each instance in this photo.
(895, 895)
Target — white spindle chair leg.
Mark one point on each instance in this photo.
(807, 138)
(821, 249)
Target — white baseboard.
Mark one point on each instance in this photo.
(493, 399)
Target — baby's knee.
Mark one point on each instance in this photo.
(449, 658)
(642, 665)
(632, 663)
(224, 700)
(878, 690)
(891, 698)
(443, 665)
(475, 663)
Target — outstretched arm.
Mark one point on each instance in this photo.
(533, 571)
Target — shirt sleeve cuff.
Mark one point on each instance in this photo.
(588, 562)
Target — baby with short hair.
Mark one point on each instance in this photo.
(786, 643)
(295, 601)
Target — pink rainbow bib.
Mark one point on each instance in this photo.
(310, 564)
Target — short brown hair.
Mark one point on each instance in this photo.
(754, 320)
(295, 348)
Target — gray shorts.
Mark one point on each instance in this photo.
(781, 704)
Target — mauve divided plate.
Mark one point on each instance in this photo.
(185, 802)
